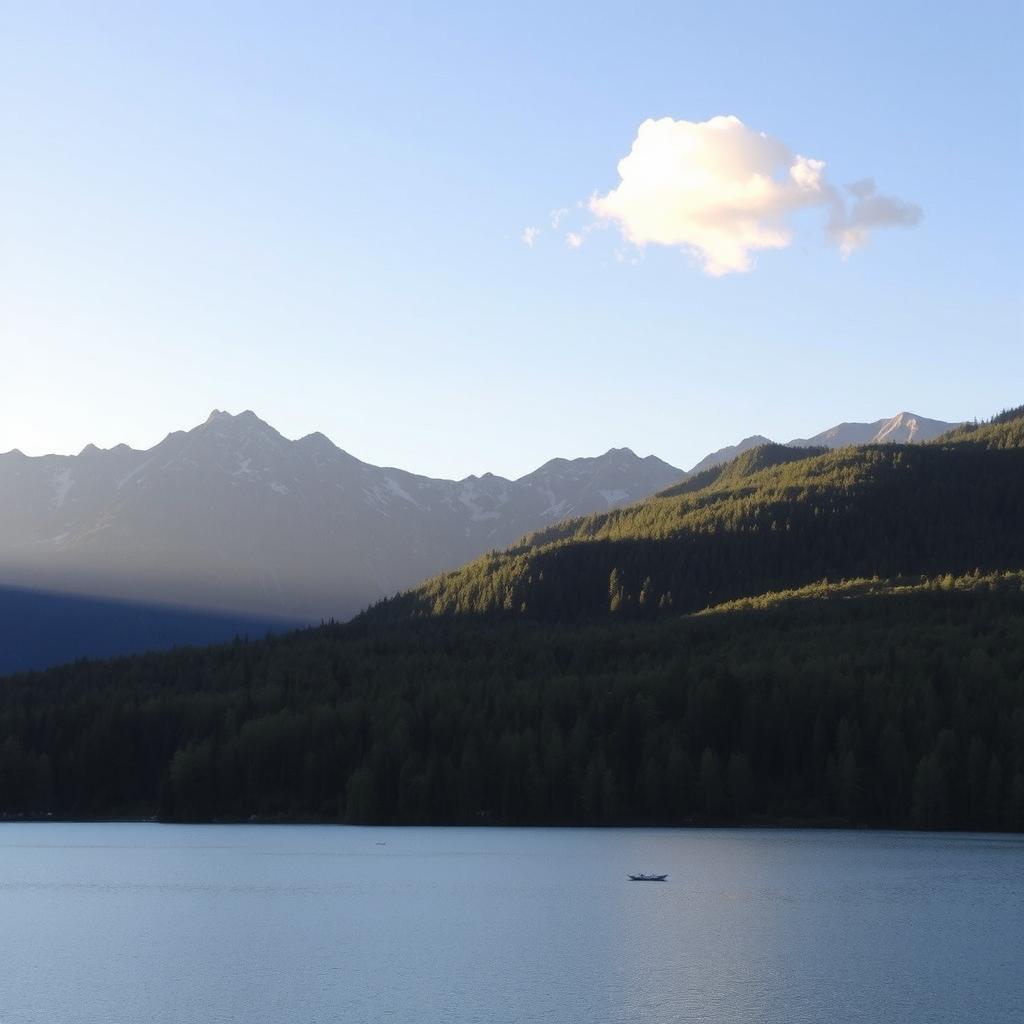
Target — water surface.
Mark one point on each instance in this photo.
(158, 923)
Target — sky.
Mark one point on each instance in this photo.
(411, 226)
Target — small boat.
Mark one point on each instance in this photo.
(647, 878)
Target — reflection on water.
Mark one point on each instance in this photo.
(138, 922)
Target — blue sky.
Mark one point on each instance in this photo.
(315, 211)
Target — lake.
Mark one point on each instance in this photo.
(160, 923)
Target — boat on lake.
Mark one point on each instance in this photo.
(647, 878)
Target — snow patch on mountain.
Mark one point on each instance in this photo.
(903, 428)
(398, 491)
(62, 483)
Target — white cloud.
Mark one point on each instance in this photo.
(529, 236)
(725, 191)
(557, 216)
(849, 227)
(574, 239)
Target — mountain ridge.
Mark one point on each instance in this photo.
(903, 428)
(230, 516)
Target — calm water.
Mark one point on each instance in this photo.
(157, 923)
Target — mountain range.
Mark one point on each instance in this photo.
(231, 515)
(799, 636)
(233, 518)
(903, 428)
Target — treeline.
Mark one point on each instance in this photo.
(1004, 430)
(840, 705)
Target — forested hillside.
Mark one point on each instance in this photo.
(774, 518)
(857, 703)
(818, 638)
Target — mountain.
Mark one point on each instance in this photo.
(233, 516)
(903, 428)
(567, 486)
(817, 638)
(41, 629)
